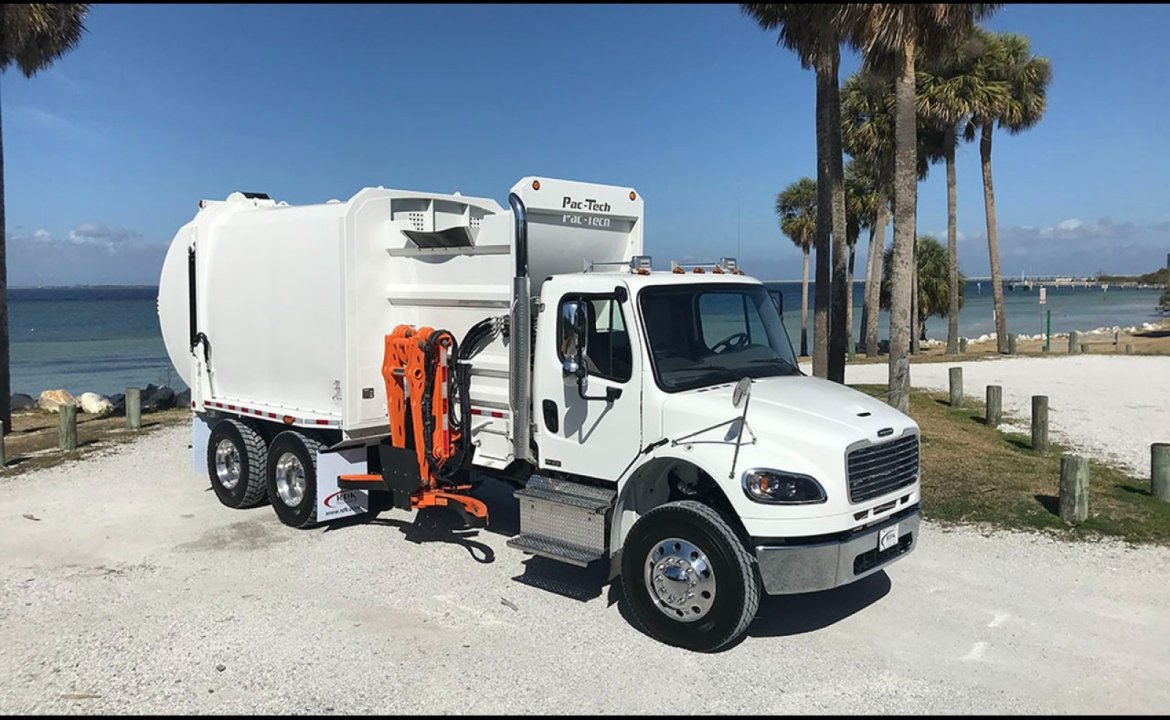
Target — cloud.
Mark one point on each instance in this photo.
(107, 237)
(1072, 246)
(89, 254)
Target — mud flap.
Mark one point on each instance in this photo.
(334, 502)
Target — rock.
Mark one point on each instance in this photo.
(159, 399)
(146, 391)
(183, 399)
(20, 401)
(52, 400)
(118, 400)
(95, 404)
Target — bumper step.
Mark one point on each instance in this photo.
(555, 550)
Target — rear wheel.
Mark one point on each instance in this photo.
(688, 578)
(292, 478)
(237, 457)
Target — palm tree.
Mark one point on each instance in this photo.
(867, 102)
(904, 30)
(797, 208)
(867, 131)
(933, 266)
(861, 212)
(32, 37)
(814, 32)
(952, 88)
(1007, 59)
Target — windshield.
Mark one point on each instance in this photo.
(706, 334)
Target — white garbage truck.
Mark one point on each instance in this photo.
(391, 350)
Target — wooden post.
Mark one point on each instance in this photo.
(1084, 348)
(962, 346)
(1074, 489)
(133, 408)
(1073, 341)
(1040, 423)
(67, 427)
(1160, 471)
(1012, 343)
(1116, 340)
(994, 405)
(1129, 348)
(956, 386)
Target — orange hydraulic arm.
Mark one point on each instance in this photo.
(405, 372)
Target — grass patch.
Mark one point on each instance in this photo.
(33, 442)
(972, 473)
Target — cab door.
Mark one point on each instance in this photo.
(591, 428)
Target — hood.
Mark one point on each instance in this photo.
(800, 423)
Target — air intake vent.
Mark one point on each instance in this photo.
(458, 236)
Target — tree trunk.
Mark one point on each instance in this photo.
(915, 300)
(824, 229)
(849, 304)
(952, 248)
(5, 380)
(839, 314)
(1001, 331)
(905, 227)
(804, 306)
(865, 289)
(874, 292)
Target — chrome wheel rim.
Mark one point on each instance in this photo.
(680, 580)
(290, 479)
(227, 464)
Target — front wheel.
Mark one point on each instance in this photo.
(688, 578)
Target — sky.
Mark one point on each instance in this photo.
(108, 153)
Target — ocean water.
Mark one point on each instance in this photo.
(86, 340)
(107, 339)
(1071, 308)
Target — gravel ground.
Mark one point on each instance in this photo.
(1111, 407)
(134, 591)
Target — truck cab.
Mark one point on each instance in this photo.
(684, 386)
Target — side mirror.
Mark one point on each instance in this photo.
(574, 338)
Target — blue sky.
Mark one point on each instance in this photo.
(109, 152)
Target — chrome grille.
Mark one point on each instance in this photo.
(875, 470)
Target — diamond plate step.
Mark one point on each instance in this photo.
(585, 497)
(549, 548)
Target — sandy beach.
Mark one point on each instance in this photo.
(1111, 407)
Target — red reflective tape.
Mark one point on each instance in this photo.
(322, 422)
(497, 414)
(475, 411)
(231, 407)
(272, 415)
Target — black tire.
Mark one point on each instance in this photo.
(737, 585)
(250, 489)
(304, 513)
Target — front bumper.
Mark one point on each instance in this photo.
(798, 568)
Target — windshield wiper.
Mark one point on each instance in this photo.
(776, 359)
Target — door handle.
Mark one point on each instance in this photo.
(551, 416)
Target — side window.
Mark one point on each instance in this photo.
(607, 354)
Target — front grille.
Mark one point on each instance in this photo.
(875, 470)
(873, 558)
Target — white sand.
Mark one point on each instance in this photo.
(1112, 407)
(136, 592)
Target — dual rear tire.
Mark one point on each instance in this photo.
(245, 470)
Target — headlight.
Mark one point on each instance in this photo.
(774, 486)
